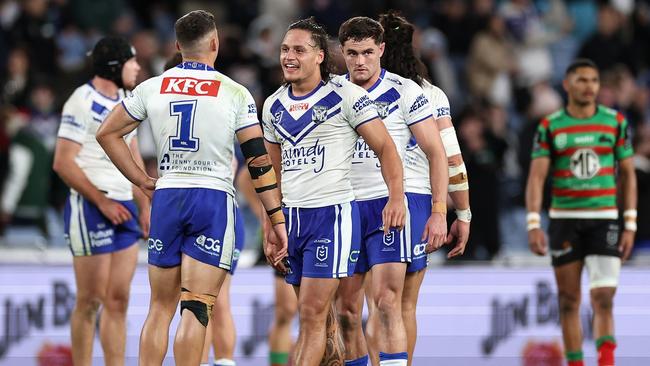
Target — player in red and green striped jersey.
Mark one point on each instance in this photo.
(584, 145)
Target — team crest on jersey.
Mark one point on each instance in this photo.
(382, 109)
(319, 114)
(277, 117)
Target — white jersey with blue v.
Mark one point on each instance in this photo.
(400, 103)
(317, 136)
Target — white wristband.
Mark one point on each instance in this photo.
(630, 214)
(630, 226)
(533, 220)
(464, 215)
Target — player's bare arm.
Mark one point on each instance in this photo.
(458, 188)
(428, 137)
(627, 178)
(110, 136)
(260, 167)
(377, 137)
(142, 199)
(66, 167)
(534, 194)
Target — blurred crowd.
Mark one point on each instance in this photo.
(500, 62)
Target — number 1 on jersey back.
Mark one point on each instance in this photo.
(184, 139)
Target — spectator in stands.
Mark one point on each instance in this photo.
(26, 193)
(490, 64)
(608, 47)
(483, 155)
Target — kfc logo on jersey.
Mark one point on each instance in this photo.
(190, 86)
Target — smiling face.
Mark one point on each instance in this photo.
(582, 86)
(362, 58)
(300, 57)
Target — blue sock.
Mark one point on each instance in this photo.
(361, 361)
(393, 359)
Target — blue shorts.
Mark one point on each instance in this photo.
(199, 222)
(323, 241)
(87, 231)
(420, 210)
(240, 239)
(377, 248)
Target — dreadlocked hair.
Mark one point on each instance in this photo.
(399, 56)
(319, 35)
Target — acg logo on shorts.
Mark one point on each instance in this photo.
(354, 256)
(213, 245)
(419, 249)
(155, 244)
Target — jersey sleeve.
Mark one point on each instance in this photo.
(358, 108)
(73, 119)
(623, 147)
(247, 113)
(541, 142)
(267, 122)
(439, 103)
(414, 103)
(135, 105)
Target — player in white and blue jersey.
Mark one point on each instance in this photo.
(195, 114)
(399, 57)
(312, 125)
(405, 110)
(100, 216)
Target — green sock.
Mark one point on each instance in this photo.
(573, 355)
(603, 339)
(279, 358)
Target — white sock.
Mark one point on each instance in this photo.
(224, 362)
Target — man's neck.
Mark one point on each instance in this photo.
(200, 59)
(581, 111)
(105, 87)
(370, 82)
(306, 86)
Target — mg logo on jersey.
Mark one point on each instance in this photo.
(299, 107)
(584, 164)
(321, 253)
(389, 239)
(319, 114)
(190, 86)
(155, 244)
(382, 109)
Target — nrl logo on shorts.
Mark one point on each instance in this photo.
(382, 109)
(389, 239)
(321, 253)
(319, 114)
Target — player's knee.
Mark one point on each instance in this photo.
(284, 312)
(199, 304)
(408, 306)
(568, 302)
(387, 301)
(313, 310)
(349, 318)
(602, 300)
(117, 301)
(88, 303)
